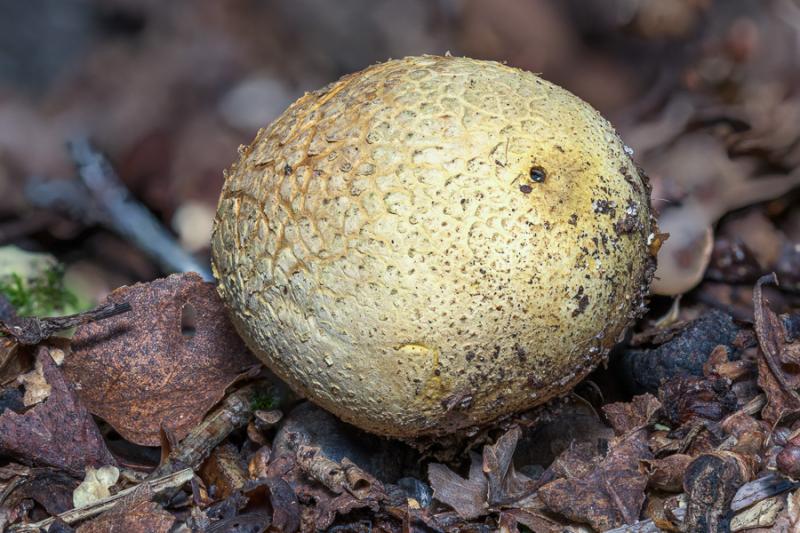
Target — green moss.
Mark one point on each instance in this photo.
(264, 402)
(43, 294)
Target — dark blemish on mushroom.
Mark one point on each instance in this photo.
(573, 219)
(583, 302)
(627, 175)
(520, 351)
(630, 222)
(626, 225)
(525, 188)
(608, 207)
(534, 382)
(538, 175)
(287, 170)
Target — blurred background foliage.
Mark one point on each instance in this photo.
(705, 92)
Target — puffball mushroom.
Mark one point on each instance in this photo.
(433, 243)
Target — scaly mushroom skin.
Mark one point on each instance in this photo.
(432, 243)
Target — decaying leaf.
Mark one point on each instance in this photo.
(506, 485)
(58, 432)
(710, 483)
(566, 424)
(223, 470)
(535, 520)
(265, 502)
(779, 364)
(14, 359)
(49, 487)
(667, 473)
(628, 416)
(134, 514)
(466, 496)
(793, 510)
(142, 369)
(492, 483)
(687, 398)
(762, 514)
(787, 462)
(95, 485)
(362, 491)
(611, 494)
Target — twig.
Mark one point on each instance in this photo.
(157, 485)
(232, 413)
(30, 330)
(100, 197)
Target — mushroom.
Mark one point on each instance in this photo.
(433, 243)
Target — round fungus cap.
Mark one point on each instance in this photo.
(433, 243)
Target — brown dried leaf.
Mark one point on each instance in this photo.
(667, 474)
(779, 361)
(535, 520)
(224, 471)
(763, 514)
(50, 488)
(14, 359)
(285, 509)
(793, 510)
(138, 516)
(710, 483)
(360, 490)
(266, 502)
(612, 494)
(658, 511)
(506, 485)
(577, 461)
(629, 416)
(566, 425)
(58, 432)
(142, 369)
(466, 496)
(687, 398)
(12, 470)
(493, 482)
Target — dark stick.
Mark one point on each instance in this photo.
(100, 197)
(33, 330)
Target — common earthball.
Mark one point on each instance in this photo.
(434, 243)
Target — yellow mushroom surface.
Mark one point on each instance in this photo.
(433, 243)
